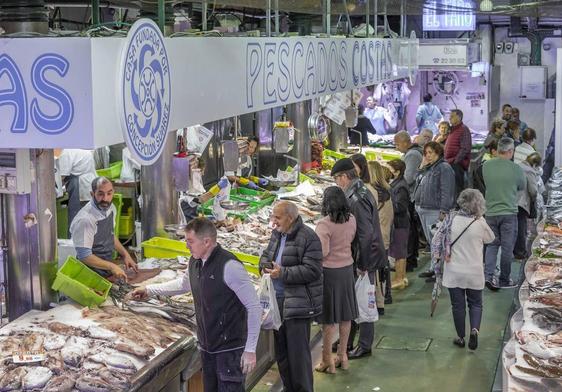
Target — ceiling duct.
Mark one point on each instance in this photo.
(24, 16)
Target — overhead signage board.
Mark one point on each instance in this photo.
(139, 87)
(145, 90)
(439, 55)
(45, 93)
(449, 15)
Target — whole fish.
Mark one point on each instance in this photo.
(115, 379)
(12, 380)
(54, 342)
(62, 383)
(64, 329)
(89, 383)
(36, 377)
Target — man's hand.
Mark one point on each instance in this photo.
(275, 272)
(139, 294)
(248, 362)
(361, 273)
(118, 272)
(130, 263)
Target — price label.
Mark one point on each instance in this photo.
(28, 356)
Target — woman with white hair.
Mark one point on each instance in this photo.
(459, 245)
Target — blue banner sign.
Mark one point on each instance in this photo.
(449, 15)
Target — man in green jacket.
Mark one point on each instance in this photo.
(503, 180)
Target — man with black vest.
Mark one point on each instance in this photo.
(227, 308)
(293, 258)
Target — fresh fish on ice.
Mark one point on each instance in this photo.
(32, 342)
(120, 363)
(36, 377)
(54, 362)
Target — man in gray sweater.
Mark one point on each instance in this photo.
(412, 158)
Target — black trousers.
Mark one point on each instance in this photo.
(459, 179)
(292, 353)
(521, 250)
(459, 299)
(413, 237)
(222, 371)
(366, 330)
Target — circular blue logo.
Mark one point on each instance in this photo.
(146, 91)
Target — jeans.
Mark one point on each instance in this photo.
(458, 304)
(428, 218)
(505, 230)
(521, 249)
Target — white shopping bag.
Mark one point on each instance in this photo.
(365, 293)
(271, 319)
(224, 194)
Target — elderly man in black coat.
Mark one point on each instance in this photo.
(294, 259)
(369, 253)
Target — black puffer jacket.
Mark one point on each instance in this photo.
(368, 247)
(301, 272)
(401, 202)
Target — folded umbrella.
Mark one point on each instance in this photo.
(435, 293)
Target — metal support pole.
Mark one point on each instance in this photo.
(367, 18)
(328, 16)
(95, 12)
(276, 5)
(161, 15)
(376, 25)
(268, 19)
(204, 16)
(402, 19)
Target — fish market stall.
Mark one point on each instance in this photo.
(71, 348)
(532, 359)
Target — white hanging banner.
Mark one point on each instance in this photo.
(140, 87)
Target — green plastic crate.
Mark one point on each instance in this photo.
(333, 154)
(78, 282)
(113, 172)
(126, 226)
(165, 248)
(386, 156)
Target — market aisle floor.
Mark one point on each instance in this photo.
(442, 366)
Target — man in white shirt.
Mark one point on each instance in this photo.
(227, 308)
(381, 118)
(77, 169)
(428, 115)
(93, 233)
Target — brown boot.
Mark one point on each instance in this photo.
(400, 282)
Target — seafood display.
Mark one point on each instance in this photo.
(73, 349)
(533, 357)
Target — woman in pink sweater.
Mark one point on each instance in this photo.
(336, 232)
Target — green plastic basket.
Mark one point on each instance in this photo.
(165, 248)
(333, 154)
(386, 156)
(113, 172)
(78, 282)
